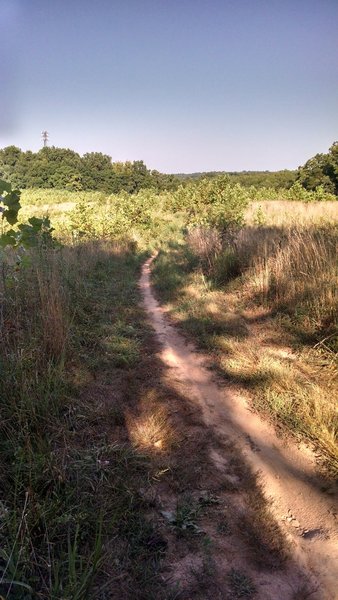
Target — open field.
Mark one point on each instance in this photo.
(60, 204)
(110, 484)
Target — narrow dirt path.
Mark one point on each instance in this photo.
(308, 516)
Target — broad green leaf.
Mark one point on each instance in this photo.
(4, 186)
(11, 216)
(7, 239)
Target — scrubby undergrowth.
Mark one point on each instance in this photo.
(264, 303)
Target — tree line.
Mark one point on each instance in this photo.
(62, 168)
(268, 179)
(319, 171)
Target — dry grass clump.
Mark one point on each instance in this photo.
(205, 243)
(53, 306)
(152, 430)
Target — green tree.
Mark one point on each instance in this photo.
(321, 170)
(96, 171)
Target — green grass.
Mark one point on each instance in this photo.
(72, 519)
(241, 585)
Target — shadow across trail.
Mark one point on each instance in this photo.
(286, 473)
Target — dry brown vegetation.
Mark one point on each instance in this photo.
(264, 302)
(282, 213)
(289, 269)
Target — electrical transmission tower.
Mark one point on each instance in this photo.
(45, 136)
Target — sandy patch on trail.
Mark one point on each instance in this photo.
(307, 516)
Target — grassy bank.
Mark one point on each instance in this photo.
(264, 305)
(71, 511)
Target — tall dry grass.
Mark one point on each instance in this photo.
(53, 306)
(282, 354)
(292, 269)
(49, 309)
(281, 213)
(34, 303)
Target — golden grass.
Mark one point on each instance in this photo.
(286, 212)
(53, 307)
(151, 431)
(293, 268)
(269, 291)
(295, 388)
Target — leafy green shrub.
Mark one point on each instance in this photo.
(212, 202)
(27, 234)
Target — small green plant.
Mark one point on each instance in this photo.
(185, 517)
(259, 218)
(241, 585)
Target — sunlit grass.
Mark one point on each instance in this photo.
(282, 213)
(295, 387)
(151, 432)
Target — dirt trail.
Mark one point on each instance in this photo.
(308, 516)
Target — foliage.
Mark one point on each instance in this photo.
(321, 170)
(259, 179)
(211, 202)
(27, 234)
(62, 168)
(117, 218)
(11, 200)
(296, 192)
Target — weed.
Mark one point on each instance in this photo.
(184, 519)
(241, 585)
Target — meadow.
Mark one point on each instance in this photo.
(250, 275)
(263, 303)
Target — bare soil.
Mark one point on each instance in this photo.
(306, 515)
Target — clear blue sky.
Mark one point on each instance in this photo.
(185, 85)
